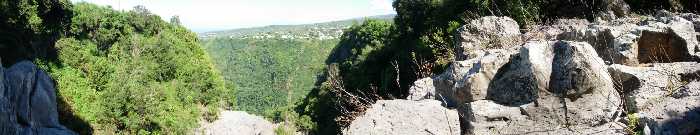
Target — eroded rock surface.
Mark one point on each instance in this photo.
(666, 96)
(406, 117)
(667, 37)
(489, 32)
(238, 122)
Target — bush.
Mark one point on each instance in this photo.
(117, 75)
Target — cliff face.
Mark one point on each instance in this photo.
(28, 101)
(611, 76)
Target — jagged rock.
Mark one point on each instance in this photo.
(567, 79)
(667, 38)
(611, 40)
(485, 33)
(692, 18)
(469, 80)
(665, 95)
(551, 31)
(28, 102)
(422, 89)
(670, 41)
(238, 122)
(546, 85)
(650, 83)
(406, 117)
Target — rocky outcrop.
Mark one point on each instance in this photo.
(666, 96)
(451, 87)
(28, 101)
(537, 88)
(237, 122)
(549, 84)
(406, 117)
(574, 77)
(630, 41)
(486, 33)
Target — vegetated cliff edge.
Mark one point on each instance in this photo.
(114, 72)
(617, 75)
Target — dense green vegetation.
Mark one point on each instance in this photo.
(327, 28)
(124, 72)
(269, 73)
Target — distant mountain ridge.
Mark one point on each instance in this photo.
(325, 30)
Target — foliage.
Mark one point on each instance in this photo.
(650, 6)
(269, 73)
(116, 72)
(632, 125)
(29, 28)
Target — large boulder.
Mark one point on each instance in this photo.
(485, 33)
(546, 85)
(464, 81)
(237, 122)
(406, 117)
(612, 41)
(566, 81)
(28, 101)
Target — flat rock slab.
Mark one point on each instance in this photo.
(238, 122)
(406, 117)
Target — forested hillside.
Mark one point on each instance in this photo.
(269, 73)
(116, 72)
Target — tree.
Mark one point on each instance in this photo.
(29, 28)
(175, 20)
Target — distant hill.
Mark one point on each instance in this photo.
(326, 30)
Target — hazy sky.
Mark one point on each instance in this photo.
(207, 15)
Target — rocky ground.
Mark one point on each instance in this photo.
(634, 74)
(237, 122)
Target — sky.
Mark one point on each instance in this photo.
(211, 15)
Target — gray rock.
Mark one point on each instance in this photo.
(669, 40)
(692, 18)
(237, 122)
(665, 95)
(492, 118)
(611, 40)
(469, 80)
(422, 89)
(406, 117)
(550, 32)
(549, 84)
(485, 33)
(572, 85)
(29, 102)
